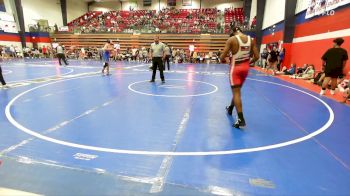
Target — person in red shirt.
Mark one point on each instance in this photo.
(44, 51)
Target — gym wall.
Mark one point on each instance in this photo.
(253, 11)
(51, 10)
(76, 8)
(34, 10)
(274, 12)
(38, 9)
(312, 37)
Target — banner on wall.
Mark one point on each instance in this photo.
(323, 7)
(2, 6)
(171, 2)
(63, 28)
(332, 4)
(147, 2)
(7, 23)
(186, 2)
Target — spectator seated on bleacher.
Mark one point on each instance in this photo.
(205, 20)
(308, 74)
(300, 70)
(346, 94)
(344, 87)
(286, 71)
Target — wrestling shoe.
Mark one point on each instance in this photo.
(239, 124)
(229, 109)
(322, 92)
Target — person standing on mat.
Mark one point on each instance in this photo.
(334, 60)
(241, 46)
(116, 50)
(157, 55)
(273, 60)
(167, 53)
(107, 49)
(2, 80)
(61, 54)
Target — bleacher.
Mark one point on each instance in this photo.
(178, 27)
(236, 15)
(84, 18)
(205, 20)
(203, 43)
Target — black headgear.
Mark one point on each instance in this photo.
(236, 29)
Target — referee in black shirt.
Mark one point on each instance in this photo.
(157, 55)
(334, 61)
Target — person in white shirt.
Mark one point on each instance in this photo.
(157, 55)
(145, 55)
(134, 53)
(82, 53)
(12, 50)
(60, 54)
(167, 53)
(191, 49)
(116, 50)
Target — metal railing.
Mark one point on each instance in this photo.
(36, 28)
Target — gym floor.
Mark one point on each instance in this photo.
(71, 131)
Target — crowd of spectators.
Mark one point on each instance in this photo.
(136, 54)
(141, 54)
(39, 52)
(8, 52)
(167, 20)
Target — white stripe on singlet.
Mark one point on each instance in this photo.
(231, 71)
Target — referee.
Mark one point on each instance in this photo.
(157, 55)
(61, 54)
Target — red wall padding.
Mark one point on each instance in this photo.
(10, 38)
(312, 51)
(340, 20)
(38, 39)
(16, 38)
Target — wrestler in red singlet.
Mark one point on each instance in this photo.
(241, 46)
